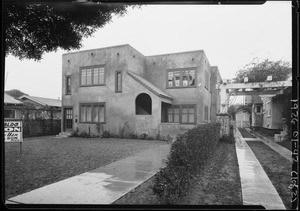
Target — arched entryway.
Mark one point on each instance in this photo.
(143, 104)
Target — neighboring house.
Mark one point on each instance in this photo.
(257, 111)
(12, 107)
(273, 109)
(46, 107)
(118, 86)
(242, 119)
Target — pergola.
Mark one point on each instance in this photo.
(267, 89)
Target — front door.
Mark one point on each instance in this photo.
(68, 119)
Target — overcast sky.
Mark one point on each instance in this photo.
(230, 35)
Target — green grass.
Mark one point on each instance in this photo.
(48, 160)
(218, 183)
(276, 167)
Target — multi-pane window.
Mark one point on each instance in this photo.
(258, 109)
(206, 113)
(92, 76)
(184, 114)
(269, 108)
(68, 85)
(92, 113)
(118, 81)
(9, 114)
(181, 78)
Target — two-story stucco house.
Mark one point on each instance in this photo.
(161, 94)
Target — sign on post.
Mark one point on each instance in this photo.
(13, 131)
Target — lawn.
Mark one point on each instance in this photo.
(217, 183)
(286, 144)
(47, 160)
(276, 167)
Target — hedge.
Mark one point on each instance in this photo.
(188, 154)
(41, 127)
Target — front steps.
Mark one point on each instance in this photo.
(63, 135)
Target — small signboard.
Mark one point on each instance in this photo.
(13, 131)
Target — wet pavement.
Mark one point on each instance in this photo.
(257, 188)
(103, 185)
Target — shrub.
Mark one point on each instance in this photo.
(143, 136)
(125, 131)
(149, 138)
(106, 134)
(228, 138)
(133, 136)
(187, 155)
(82, 134)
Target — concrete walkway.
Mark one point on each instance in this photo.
(257, 188)
(100, 186)
(276, 147)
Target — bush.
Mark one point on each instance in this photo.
(133, 136)
(188, 154)
(143, 136)
(41, 127)
(82, 135)
(228, 138)
(106, 134)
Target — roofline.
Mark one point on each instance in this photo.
(29, 97)
(17, 104)
(183, 52)
(149, 88)
(37, 101)
(115, 46)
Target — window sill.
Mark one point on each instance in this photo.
(92, 122)
(194, 123)
(180, 87)
(92, 85)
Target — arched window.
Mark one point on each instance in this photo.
(143, 104)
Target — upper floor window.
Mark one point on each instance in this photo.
(118, 81)
(92, 76)
(181, 78)
(68, 85)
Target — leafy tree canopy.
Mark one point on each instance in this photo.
(259, 71)
(15, 93)
(31, 29)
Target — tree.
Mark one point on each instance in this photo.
(31, 29)
(15, 93)
(259, 71)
